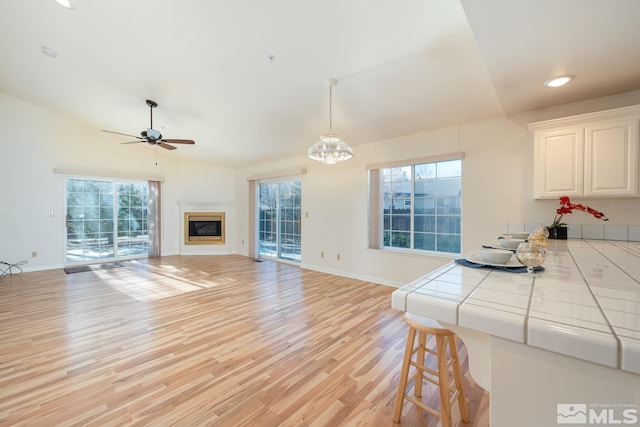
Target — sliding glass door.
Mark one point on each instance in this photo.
(279, 225)
(106, 220)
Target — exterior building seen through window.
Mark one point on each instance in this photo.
(422, 206)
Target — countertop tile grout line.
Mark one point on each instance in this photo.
(604, 314)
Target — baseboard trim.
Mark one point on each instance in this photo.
(370, 279)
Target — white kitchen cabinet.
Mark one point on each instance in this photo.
(611, 158)
(558, 168)
(590, 155)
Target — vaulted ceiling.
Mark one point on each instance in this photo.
(247, 79)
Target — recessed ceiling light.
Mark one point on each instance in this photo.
(65, 3)
(49, 52)
(558, 81)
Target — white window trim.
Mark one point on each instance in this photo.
(431, 159)
(375, 200)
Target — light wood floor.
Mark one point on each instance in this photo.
(204, 341)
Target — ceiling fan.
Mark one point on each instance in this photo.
(152, 136)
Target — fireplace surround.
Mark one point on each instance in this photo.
(204, 228)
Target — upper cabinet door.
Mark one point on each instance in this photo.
(611, 158)
(589, 155)
(558, 163)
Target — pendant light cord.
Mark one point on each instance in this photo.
(330, 110)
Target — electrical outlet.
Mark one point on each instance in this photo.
(321, 254)
(338, 257)
(34, 254)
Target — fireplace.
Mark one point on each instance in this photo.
(204, 228)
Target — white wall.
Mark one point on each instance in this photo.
(335, 197)
(34, 141)
(497, 188)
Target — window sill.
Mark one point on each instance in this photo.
(428, 254)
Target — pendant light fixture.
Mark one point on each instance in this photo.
(330, 149)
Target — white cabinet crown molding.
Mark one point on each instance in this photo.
(580, 119)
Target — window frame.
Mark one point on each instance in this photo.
(282, 222)
(119, 190)
(376, 203)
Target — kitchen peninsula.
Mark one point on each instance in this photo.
(566, 337)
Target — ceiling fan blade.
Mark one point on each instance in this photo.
(167, 146)
(134, 142)
(123, 134)
(178, 141)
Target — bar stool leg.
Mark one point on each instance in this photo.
(457, 374)
(420, 361)
(404, 375)
(443, 380)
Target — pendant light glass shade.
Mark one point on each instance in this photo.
(330, 149)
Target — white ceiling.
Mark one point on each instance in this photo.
(246, 79)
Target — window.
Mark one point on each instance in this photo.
(279, 220)
(419, 204)
(106, 220)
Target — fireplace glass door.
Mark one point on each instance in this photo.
(279, 213)
(106, 220)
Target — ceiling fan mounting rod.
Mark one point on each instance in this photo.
(152, 105)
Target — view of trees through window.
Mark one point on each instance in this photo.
(279, 206)
(422, 206)
(106, 219)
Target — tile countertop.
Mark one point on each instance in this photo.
(586, 304)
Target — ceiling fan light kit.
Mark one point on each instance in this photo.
(330, 148)
(152, 136)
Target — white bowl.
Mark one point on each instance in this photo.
(510, 243)
(520, 234)
(496, 256)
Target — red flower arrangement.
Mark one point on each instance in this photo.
(566, 207)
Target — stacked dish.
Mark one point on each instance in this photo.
(510, 243)
(495, 258)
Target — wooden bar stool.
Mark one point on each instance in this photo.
(423, 326)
